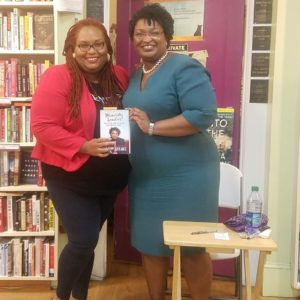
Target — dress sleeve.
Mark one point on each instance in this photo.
(195, 94)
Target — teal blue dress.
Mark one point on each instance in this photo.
(172, 178)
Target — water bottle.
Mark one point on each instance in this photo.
(254, 211)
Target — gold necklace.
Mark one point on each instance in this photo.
(156, 64)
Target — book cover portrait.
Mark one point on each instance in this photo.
(114, 124)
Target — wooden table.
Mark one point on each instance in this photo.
(178, 234)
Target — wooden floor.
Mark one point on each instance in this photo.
(123, 282)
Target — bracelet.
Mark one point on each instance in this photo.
(151, 128)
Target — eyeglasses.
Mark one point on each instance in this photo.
(86, 47)
(153, 35)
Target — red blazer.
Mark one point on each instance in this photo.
(59, 137)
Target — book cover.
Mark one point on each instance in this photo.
(43, 32)
(29, 168)
(221, 131)
(114, 124)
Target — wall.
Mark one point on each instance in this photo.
(284, 129)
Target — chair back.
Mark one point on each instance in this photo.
(230, 190)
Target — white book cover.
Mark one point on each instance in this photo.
(114, 124)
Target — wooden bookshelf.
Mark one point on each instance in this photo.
(21, 49)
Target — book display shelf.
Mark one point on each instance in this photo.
(28, 222)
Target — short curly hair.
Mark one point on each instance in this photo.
(114, 129)
(154, 13)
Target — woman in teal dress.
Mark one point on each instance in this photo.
(175, 162)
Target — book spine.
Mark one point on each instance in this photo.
(15, 28)
(9, 259)
(51, 216)
(3, 213)
(10, 222)
(2, 78)
(21, 32)
(25, 270)
(51, 260)
(29, 226)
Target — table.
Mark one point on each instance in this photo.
(178, 234)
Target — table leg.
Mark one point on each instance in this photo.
(259, 274)
(176, 284)
(247, 274)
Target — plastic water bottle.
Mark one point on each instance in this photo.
(254, 211)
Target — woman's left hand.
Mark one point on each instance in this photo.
(141, 119)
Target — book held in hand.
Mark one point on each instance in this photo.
(114, 124)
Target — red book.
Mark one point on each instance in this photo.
(2, 77)
(13, 62)
(51, 260)
(3, 213)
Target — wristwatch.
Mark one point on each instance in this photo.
(151, 128)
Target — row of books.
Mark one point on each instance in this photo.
(18, 167)
(15, 124)
(9, 164)
(31, 212)
(26, 30)
(19, 78)
(27, 257)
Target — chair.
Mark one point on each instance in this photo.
(230, 198)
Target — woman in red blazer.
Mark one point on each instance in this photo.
(81, 176)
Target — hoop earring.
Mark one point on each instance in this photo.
(108, 56)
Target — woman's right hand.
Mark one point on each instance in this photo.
(100, 147)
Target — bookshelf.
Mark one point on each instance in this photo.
(28, 46)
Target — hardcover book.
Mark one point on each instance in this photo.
(114, 124)
(221, 131)
(29, 168)
(43, 32)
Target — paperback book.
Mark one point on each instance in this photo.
(114, 124)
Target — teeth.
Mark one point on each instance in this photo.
(92, 59)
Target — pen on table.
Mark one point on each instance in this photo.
(203, 231)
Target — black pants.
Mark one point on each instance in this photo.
(82, 216)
